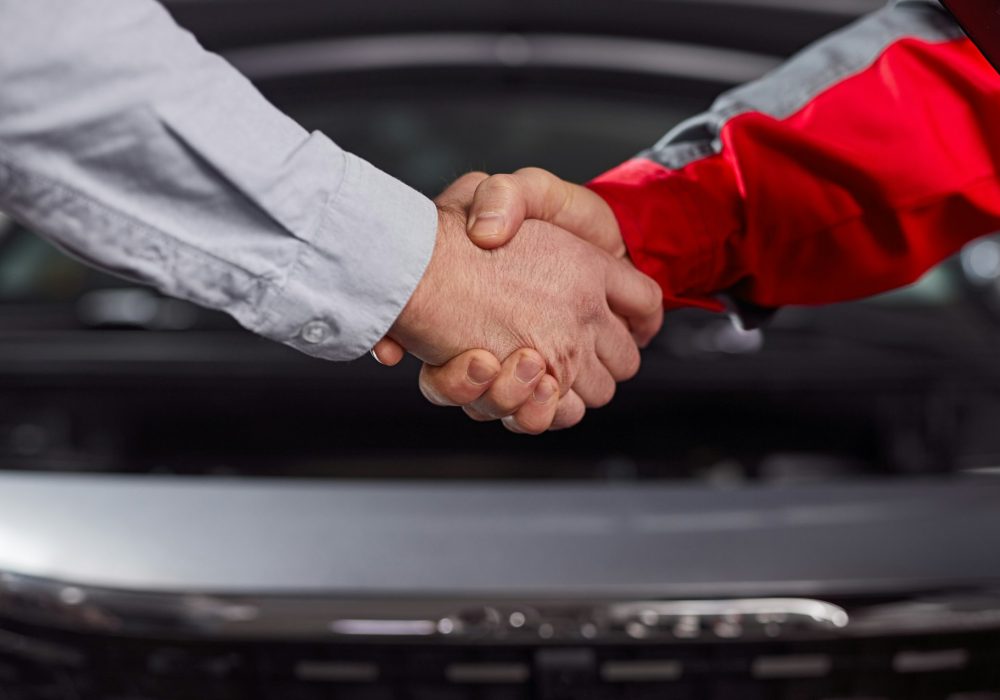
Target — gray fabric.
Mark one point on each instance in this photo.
(126, 143)
(790, 88)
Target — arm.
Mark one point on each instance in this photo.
(126, 143)
(851, 170)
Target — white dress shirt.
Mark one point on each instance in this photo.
(126, 143)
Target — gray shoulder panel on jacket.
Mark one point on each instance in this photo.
(791, 87)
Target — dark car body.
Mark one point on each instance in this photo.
(806, 511)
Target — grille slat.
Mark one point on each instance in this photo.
(946, 667)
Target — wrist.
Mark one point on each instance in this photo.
(428, 310)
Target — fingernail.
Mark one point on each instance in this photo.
(527, 369)
(489, 225)
(480, 373)
(544, 392)
(510, 423)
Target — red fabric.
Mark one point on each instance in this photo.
(872, 183)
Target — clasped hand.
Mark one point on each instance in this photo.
(532, 269)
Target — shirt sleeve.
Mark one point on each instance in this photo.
(851, 170)
(129, 145)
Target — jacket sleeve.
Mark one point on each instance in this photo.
(126, 143)
(852, 169)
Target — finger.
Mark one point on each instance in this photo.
(388, 352)
(569, 412)
(503, 202)
(519, 375)
(497, 212)
(630, 293)
(460, 193)
(617, 350)
(645, 328)
(536, 415)
(594, 384)
(476, 415)
(461, 380)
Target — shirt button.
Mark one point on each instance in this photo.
(315, 332)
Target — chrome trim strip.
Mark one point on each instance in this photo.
(844, 8)
(538, 621)
(765, 609)
(564, 51)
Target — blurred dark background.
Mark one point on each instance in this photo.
(144, 586)
(99, 375)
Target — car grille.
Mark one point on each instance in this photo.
(37, 663)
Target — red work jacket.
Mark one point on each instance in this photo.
(851, 170)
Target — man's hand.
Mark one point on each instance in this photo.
(546, 290)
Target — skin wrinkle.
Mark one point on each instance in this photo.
(560, 361)
(588, 314)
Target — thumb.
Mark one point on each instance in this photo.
(503, 202)
(497, 212)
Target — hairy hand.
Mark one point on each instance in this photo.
(546, 290)
(513, 390)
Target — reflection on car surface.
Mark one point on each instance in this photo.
(801, 511)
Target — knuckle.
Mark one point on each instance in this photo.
(569, 417)
(428, 387)
(566, 365)
(451, 385)
(632, 364)
(590, 309)
(603, 396)
(502, 183)
(532, 172)
(468, 181)
(458, 393)
(655, 300)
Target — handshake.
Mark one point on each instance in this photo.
(531, 269)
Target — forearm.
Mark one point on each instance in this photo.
(851, 170)
(125, 142)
